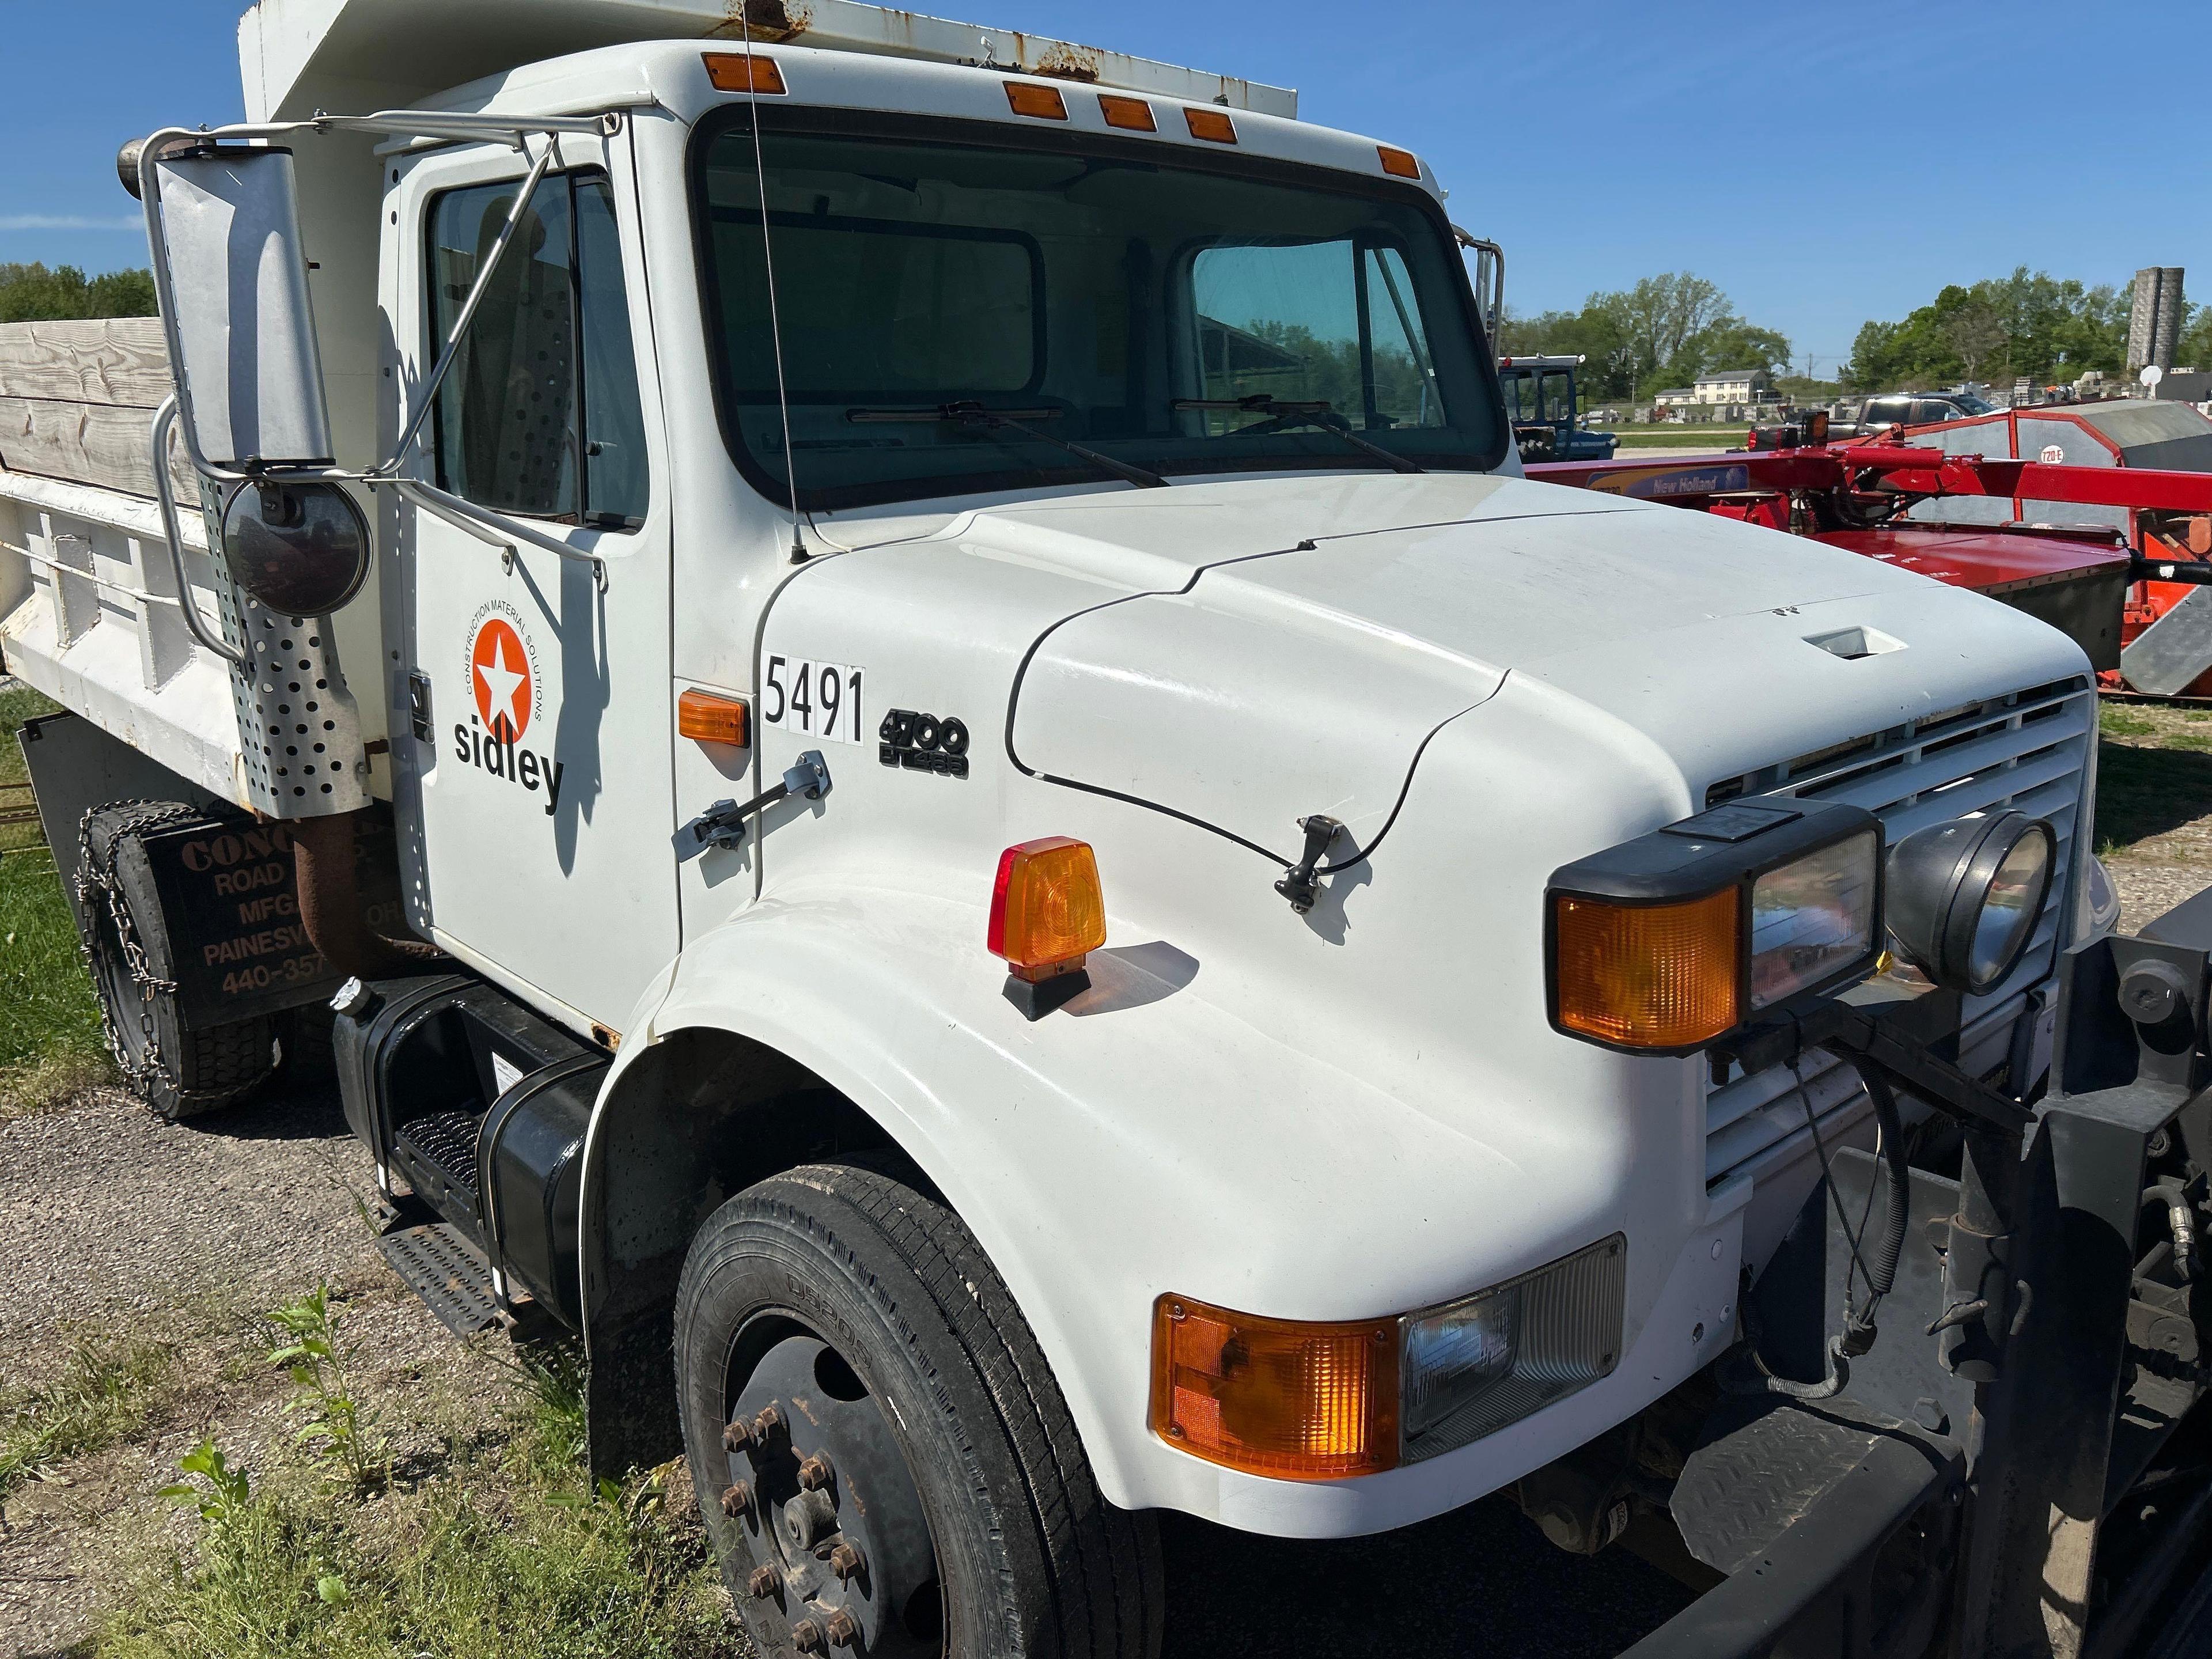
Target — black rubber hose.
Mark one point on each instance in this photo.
(1883, 1273)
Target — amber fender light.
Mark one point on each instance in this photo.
(1048, 910)
(1279, 1398)
(1661, 976)
(742, 71)
(1398, 163)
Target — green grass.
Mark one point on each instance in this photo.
(107, 1393)
(50, 1037)
(506, 1550)
(1669, 436)
(2153, 772)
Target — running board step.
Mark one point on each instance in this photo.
(441, 1266)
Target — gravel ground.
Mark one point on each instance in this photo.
(113, 1223)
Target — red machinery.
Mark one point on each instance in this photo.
(2135, 590)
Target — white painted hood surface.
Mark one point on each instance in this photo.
(1300, 652)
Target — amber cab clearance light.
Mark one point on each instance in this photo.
(1398, 163)
(710, 717)
(741, 71)
(1212, 124)
(1130, 114)
(1043, 103)
(1048, 914)
(1274, 1397)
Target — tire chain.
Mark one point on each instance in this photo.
(97, 875)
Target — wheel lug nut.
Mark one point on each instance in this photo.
(806, 1636)
(845, 1561)
(763, 1583)
(737, 1436)
(737, 1499)
(844, 1629)
(814, 1474)
(767, 1423)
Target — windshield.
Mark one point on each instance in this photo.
(1091, 288)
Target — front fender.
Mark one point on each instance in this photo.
(1143, 1140)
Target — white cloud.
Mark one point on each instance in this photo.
(71, 222)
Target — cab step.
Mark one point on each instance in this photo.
(440, 1265)
(477, 1108)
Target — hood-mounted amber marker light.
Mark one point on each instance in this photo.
(1684, 938)
(1042, 103)
(1048, 914)
(742, 71)
(1399, 163)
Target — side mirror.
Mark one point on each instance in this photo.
(225, 224)
(302, 549)
(1489, 281)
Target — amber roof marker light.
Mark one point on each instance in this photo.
(1041, 103)
(1130, 114)
(742, 71)
(1212, 124)
(1399, 163)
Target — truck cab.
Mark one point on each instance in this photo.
(1003, 816)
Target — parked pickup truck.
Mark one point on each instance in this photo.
(1872, 415)
(898, 685)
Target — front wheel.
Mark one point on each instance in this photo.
(885, 1464)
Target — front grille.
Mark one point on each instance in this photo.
(2028, 749)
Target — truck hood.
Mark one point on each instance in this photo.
(1255, 657)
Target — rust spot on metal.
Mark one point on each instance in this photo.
(1070, 64)
(770, 21)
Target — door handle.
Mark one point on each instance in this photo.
(723, 824)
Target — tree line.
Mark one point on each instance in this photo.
(35, 293)
(1663, 332)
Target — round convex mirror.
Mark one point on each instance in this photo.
(300, 549)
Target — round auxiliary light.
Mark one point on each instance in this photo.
(1964, 897)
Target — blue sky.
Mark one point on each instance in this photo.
(1822, 164)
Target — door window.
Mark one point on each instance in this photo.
(540, 413)
(1560, 397)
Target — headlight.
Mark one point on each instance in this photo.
(1965, 897)
(1667, 943)
(1297, 1401)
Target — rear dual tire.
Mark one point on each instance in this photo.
(1029, 1557)
(179, 1070)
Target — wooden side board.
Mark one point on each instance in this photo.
(122, 360)
(103, 444)
(76, 399)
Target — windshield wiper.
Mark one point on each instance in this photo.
(1283, 415)
(977, 417)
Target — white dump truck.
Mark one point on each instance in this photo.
(901, 683)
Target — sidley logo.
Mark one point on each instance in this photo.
(502, 669)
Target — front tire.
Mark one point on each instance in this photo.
(828, 1293)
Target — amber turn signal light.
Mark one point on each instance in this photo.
(1655, 976)
(1043, 103)
(1398, 163)
(1211, 125)
(709, 717)
(1048, 911)
(1276, 1397)
(741, 71)
(1130, 114)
